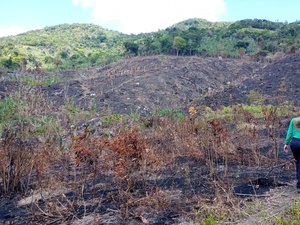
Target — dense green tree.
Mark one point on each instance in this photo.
(178, 44)
(8, 63)
(63, 54)
(166, 43)
(131, 47)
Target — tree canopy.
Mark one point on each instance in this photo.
(82, 45)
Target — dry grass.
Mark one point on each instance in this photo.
(168, 165)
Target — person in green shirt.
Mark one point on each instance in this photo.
(293, 139)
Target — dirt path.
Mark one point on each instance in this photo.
(264, 210)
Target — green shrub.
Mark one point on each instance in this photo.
(291, 216)
(256, 110)
(255, 97)
(168, 112)
(113, 118)
(210, 220)
(227, 110)
(7, 109)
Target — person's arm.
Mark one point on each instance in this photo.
(289, 136)
(289, 133)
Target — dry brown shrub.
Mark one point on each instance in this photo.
(130, 148)
(17, 162)
(272, 124)
(127, 150)
(84, 153)
(29, 140)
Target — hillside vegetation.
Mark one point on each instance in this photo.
(81, 45)
(63, 46)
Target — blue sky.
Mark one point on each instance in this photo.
(137, 16)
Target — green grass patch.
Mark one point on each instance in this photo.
(168, 112)
(210, 220)
(112, 119)
(39, 81)
(291, 216)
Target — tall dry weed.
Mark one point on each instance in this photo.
(28, 133)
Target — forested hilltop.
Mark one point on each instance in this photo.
(82, 45)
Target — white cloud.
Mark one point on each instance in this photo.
(136, 16)
(7, 31)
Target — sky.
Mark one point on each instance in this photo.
(137, 16)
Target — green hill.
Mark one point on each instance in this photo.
(66, 46)
(83, 45)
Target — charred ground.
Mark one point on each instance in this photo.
(149, 82)
(154, 82)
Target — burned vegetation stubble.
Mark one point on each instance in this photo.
(170, 169)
